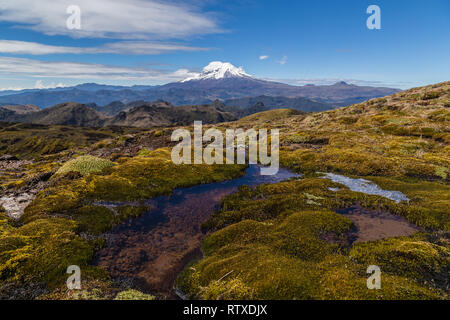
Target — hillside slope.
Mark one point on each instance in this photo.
(300, 103)
(19, 109)
(310, 238)
(163, 114)
(306, 238)
(9, 112)
(142, 115)
(74, 114)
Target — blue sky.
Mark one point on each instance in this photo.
(154, 42)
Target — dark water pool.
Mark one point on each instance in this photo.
(153, 249)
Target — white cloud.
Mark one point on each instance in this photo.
(23, 47)
(75, 70)
(263, 57)
(121, 47)
(141, 47)
(39, 84)
(283, 60)
(131, 19)
(12, 88)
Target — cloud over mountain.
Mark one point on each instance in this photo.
(77, 70)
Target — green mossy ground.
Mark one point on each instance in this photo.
(41, 251)
(49, 240)
(422, 257)
(97, 219)
(31, 141)
(133, 295)
(285, 241)
(85, 165)
(270, 201)
(148, 176)
(131, 179)
(276, 240)
(393, 136)
(281, 241)
(94, 289)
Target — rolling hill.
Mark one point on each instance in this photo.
(142, 115)
(309, 237)
(299, 103)
(164, 114)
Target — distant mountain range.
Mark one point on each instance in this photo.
(217, 81)
(299, 103)
(145, 115)
(149, 114)
(65, 114)
(240, 107)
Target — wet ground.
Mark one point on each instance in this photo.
(150, 251)
(372, 225)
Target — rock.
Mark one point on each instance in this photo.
(7, 157)
(15, 205)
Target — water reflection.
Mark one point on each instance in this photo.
(154, 248)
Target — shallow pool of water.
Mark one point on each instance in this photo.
(376, 224)
(152, 250)
(367, 187)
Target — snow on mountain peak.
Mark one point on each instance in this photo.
(219, 70)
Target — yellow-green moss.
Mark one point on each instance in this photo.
(132, 179)
(33, 141)
(41, 251)
(91, 289)
(95, 219)
(294, 248)
(234, 289)
(85, 165)
(427, 208)
(6, 223)
(155, 174)
(412, 257)
(133, 295)
(264, 273)
(287, 259)
(98, 219)
(275, 242)
(127, 211)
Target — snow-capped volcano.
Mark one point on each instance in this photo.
(219, 70)
(218, 80)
